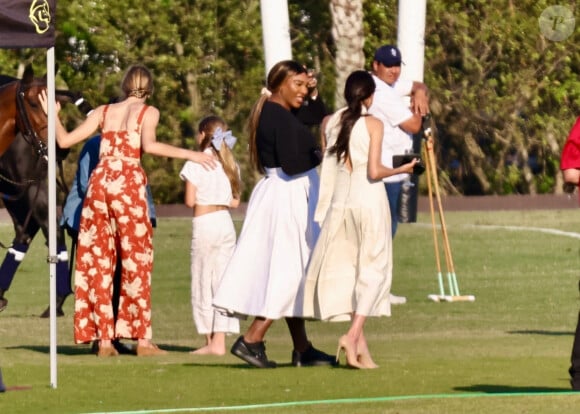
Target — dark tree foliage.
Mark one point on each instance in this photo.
(503, 96)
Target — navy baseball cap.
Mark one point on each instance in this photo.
(388, 55)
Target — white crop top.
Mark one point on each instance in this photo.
(212, 186)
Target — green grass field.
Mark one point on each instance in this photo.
(507, 352)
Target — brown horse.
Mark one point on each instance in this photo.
(24, 174)
(20, 111)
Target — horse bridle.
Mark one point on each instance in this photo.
(40, 148)
(24, 125)
(30, 135)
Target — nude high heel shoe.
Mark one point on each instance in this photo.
(365, 360)
(349, 347)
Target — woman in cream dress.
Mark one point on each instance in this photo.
(349, 274)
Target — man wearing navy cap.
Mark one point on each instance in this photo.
(399, 120)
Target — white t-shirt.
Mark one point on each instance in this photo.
(389, 106)
(212, 186)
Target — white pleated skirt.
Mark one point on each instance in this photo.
(265, 276)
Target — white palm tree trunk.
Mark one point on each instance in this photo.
(347, 31)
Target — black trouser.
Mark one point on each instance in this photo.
(575, 367)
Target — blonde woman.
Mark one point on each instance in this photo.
(115, 220)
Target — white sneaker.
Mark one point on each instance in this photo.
(397, 300)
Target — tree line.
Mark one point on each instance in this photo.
(503, 96)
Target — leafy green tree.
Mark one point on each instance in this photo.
(205, 55)
(312, 43)
(503, 96)
(347, 32)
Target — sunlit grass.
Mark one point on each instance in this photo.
(506, 352)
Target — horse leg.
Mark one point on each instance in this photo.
(62, 282)
(17, 209)
(24, 233)
(12, 260)
(36, 199)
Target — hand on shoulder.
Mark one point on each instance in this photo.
(207, 161)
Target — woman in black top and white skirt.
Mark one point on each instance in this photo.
(266, 274)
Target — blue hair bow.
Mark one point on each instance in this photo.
(219, 137)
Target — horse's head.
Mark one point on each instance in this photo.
(31, 120)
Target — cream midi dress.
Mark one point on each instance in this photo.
(350, 269)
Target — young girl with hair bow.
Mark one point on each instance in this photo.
(211, 193)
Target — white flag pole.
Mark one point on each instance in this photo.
(52, 255)
(275, 32)
(411, 38)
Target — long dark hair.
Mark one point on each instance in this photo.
(358, 87)
(276, 77)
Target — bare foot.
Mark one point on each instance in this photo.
(209, 350)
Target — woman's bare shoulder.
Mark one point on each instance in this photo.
(373, 122)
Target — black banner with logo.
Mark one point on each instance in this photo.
(27, 23)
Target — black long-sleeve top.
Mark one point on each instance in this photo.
(312, 111)
(283, 141)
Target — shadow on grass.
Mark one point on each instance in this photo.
(539, 332)
(60, 349)
(510, 389)
(85, 349)
(8, 315)
(241, 365)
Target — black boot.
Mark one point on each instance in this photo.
(59, 312)
(3, 300)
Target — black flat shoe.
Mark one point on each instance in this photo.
(59, 312)
(122, 348)
(46, 313)
(312, 357)
(253, 353)
(569, 188)
(2, 386)
(3, 303)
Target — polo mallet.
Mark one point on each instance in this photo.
(433, 186)
(435, 239)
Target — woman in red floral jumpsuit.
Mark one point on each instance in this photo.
(115, 218)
